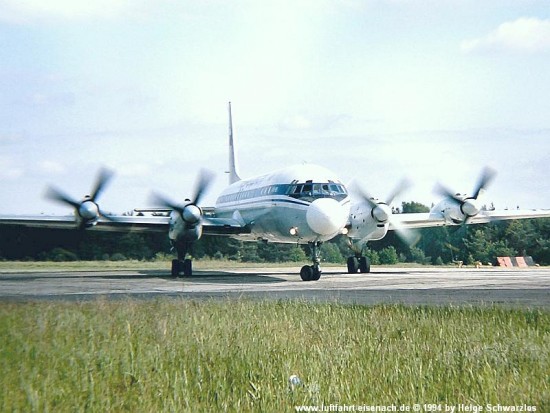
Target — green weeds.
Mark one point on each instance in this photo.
(172, 355)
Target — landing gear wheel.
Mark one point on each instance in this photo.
(364, 265)
(306, 273)
(353, 265)
(175, 268)
(187, 268)
(316, 273)
(310, 273)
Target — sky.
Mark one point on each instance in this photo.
(374, 90)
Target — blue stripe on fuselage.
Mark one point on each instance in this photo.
(259, 201)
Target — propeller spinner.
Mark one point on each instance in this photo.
(87, 210)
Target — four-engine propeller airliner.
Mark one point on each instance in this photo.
(304, 204)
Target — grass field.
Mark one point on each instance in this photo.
(175, 355)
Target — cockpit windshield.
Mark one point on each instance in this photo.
(309, 191)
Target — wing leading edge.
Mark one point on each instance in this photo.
(427, 220)
(211, 226)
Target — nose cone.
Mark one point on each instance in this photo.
(191, 214)
(325, 216)
(470, 207)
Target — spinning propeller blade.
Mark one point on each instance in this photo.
(382, 211)
(401, 187)
(164, 202)
(469, 206)
(205, 180)
(103, 179)
(190, 212)
(87, 209)
(57, 195)
(487, 176)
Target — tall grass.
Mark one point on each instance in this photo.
(171, 355)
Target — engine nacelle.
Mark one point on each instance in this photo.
(456, 213)
(367, 223)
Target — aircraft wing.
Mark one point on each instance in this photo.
(426, 220)
(416, 220)
(211, 226)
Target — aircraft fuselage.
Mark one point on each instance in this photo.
(300, 204)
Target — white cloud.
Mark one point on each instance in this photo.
(524, 35)
(10, 138)
(51, 167)
(9, 169)
(296, 122)
(25, 11)
(129, 169)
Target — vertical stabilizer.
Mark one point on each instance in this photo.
(233, 172)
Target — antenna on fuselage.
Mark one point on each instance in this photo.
(233, 173)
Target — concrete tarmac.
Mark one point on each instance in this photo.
(526, 287)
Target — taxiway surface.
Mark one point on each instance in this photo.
(417, 286)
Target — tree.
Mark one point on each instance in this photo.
(373, 257)
(413, 207)
(478, 246)
(331, 253)
(388, 255)
(417, 255)
(435, 243)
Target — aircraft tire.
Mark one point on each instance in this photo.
(306, 273)
(187, 268)
(175, 268)
(353, 265)
(316, 274)
(364, 265)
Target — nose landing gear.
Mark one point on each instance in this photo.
(312, 272)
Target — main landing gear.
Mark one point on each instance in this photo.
(312, 272)
(358, 263)
(182, 266)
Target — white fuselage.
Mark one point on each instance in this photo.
(300, 204)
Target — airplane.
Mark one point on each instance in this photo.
(303, 204)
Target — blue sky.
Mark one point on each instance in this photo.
(374, 90)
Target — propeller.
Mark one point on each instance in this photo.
(87, 209)
(190, 211)
(382, 212)
(469, 205)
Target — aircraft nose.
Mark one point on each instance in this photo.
(326, 216)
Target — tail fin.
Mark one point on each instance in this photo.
(233, 172)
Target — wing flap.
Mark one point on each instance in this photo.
(224, 227)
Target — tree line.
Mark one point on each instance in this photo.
(438, 246)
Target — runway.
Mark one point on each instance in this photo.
(412, 286)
